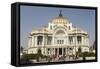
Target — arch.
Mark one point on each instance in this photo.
(60, 31)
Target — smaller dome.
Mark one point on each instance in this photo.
(60, 19)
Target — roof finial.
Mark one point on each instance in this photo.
(60, 14)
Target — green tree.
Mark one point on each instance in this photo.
(79, 52)
(94, 45)
(21, 48)
(39, 54)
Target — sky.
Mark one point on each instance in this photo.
(33, 17)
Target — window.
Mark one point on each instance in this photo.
(39, 39)
(48, 50)
(79, 39)
(70, 48)
(60, 51)
(60, 32)
(60, 41)
(51, 27)
(49, 39)
(57, 41)
(70, 39)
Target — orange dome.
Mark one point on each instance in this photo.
(60, 19)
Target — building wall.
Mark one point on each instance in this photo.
(64, 28)
(84, 45)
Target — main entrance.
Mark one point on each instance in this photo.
(60, 51)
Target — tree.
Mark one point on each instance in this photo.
(21, 48)
(94, 45)
(39, 54)
(92, 48)
(79, 52)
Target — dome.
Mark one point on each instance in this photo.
(60, 19)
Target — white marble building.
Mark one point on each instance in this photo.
(58, 38)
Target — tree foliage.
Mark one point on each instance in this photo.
(34, 56)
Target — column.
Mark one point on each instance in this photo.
(36, 40)
(45, 51)
(67, 50)
(65, 40)
(43, 43)
(54, 51)
(29, 42)
(87, 41)
(75, 44)
(62, 51)
(57, 51)
(82, 40)
(50, 51)
(76, 40)
(53, 40)
(45, 40)
(73, 40)
(32, 41)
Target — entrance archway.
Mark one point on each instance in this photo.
(60, 51)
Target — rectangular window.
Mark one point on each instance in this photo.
(57, 41)
(49, 39)
(79, 39)
(60, 41)
(70, 39)
(39, 40)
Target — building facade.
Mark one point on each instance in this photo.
(60, 37)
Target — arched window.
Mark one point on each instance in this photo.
(60, 32)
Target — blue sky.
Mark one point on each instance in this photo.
(33, 17)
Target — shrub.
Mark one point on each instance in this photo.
(29, 56)
(91, 54)
(33, 56)
(87, 54)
